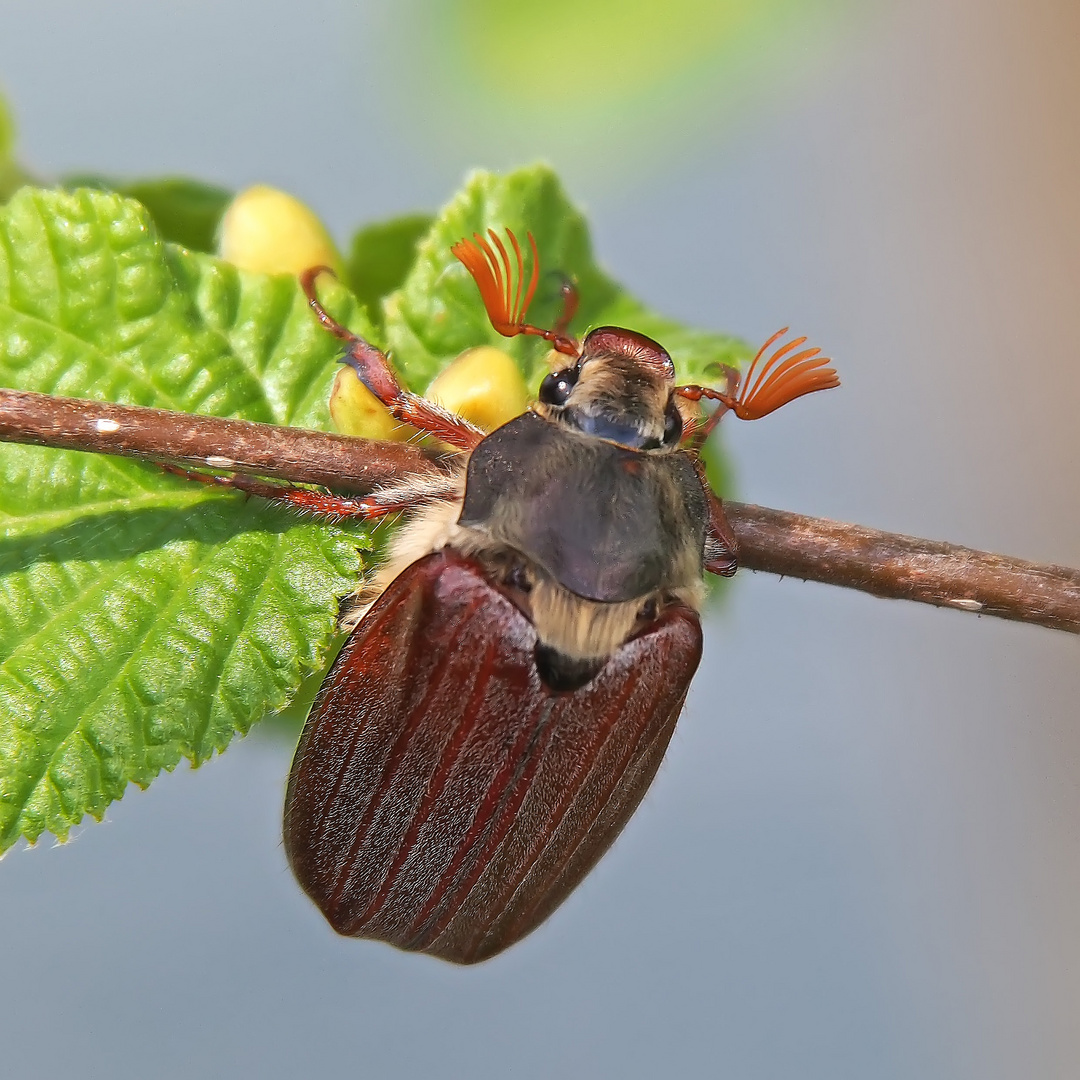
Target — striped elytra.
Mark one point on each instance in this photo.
(445, 800)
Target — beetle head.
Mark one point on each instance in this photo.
(620, 389)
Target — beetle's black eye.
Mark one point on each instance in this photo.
(556, 387)
(672, 424)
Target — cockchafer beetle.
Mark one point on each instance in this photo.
(507, 695)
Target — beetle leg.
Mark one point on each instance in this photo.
(373, 368)
(721, 547)
(391, 499)
(413, 491)
(569, 293)
(696, 435)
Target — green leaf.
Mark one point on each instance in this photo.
(382, 255)
(187, 212)
(437, 312)
(144, 619)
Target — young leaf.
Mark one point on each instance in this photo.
(437, 312)
(144, 619)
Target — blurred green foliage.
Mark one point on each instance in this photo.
(602, 85)
(593, 54)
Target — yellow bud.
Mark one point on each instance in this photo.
(484, 385)
(357, 411)
(271, 232)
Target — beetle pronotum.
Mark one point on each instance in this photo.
(503, 704)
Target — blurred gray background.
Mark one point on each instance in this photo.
(862, 855)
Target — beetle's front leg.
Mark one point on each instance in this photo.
(721, 547)
(695, 435)
(374, 371)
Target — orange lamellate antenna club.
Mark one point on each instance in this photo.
(782, 378)
(495, 278)
(501, 286)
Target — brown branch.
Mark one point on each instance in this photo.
(774, 541)
(905, 567)
(352, 466)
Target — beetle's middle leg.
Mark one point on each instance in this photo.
(694, 435)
